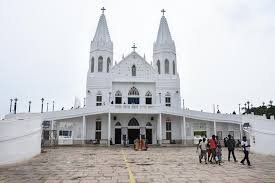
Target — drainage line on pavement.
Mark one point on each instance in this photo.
(131, 176)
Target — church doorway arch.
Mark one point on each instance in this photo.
(133, 130)
(133, 123)
(118, 133)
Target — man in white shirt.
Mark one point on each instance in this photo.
(246, 148)
(203, 147)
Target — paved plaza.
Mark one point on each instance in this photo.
(117, 164)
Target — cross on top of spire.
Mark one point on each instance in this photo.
(134, 47)
(103, 9)
(163, 11)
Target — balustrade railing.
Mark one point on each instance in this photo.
(134, 106)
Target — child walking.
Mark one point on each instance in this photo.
(198, 146)
(219, 154)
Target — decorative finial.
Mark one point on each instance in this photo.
(163, 11)
(134, 47)
(103, 9)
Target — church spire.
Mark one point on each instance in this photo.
(102, 38)
(164, 38)
(102, 32)
(164, 52)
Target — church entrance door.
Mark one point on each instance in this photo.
(118, 136)
(149, 136)
(132, 135)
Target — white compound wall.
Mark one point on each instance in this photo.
(20, 139)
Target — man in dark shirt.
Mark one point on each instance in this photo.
(231, 147)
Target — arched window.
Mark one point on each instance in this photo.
(134, 71)
(133, 122)
(118, 124)
(100, 64)
(108, 64)
(148, 124)
(99, 98)
(174, 67)
(133, 91)
(133, 96)
(158, 65)
(168, 129)
(148, 97)
(92, 64)
(166, 66)
(118, 97)
(148, 94)
(118, 93)
(168, 99)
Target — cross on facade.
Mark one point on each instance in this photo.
(163, 11)
(103, 9)
(134, 47)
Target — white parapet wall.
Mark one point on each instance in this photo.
(261, 134)
(20, 138)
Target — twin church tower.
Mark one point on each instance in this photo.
(102, 72)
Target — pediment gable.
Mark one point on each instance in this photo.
(124, 67)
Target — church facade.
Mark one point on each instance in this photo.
(136, 99)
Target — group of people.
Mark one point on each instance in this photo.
(140, 144)
(211, 150)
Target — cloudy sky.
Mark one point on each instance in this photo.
(225, 49)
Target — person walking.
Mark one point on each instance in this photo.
(203, 147)
(246, 149)
(198, 146)
(213, 145)
(231, 147)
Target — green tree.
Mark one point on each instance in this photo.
(261, 110)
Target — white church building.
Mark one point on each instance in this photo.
(128, 100)
(135, 99)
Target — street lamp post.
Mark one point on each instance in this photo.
(47, 106)
(11, 104)
(42, 102)
(53, 105)
(30, 106)
(15, 105)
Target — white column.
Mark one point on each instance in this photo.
(160, 130)
(183, 131)
(52, 123)
(51, 132)
(241, 132)
(215, 128)
(109, 128)
(83, 129)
